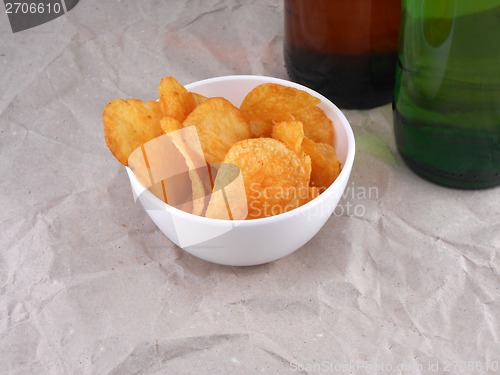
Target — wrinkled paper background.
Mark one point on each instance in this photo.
(403, 279)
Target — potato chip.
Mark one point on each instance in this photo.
(220, 125)
(188, 144)
(276, 179)
(317, 126)
(128, 124)
(169, 124)
(218, 208)
(313, 192)
(138, 164)
(160, 166)
(174, 169)
(325, 165)
(175, 100)
(198, 98)
(290, 133)
(158, 191)
(228, 198)
(270, 102)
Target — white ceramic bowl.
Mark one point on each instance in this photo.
(252, 242)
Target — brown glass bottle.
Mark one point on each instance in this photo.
(344, 49)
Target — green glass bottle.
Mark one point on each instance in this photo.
(447, 95)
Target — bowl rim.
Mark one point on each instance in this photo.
(344, 173)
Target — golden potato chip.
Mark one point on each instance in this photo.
(139, 165)
(158, 191)
(290, 133)
(173, 167)
(325, 165)
(218, 208)
(188, 144)
(317, 126)
(220, 125)
(160, 166)
(198, 98)
(175, 100)
(276, 179)
(128, 124)
(313, 192)
(228, 198)
(270, 102)
(169, 124)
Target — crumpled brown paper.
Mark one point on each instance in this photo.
(403, 279)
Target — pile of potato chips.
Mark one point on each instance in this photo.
(278, 145)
